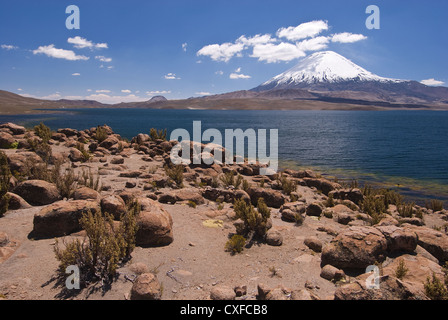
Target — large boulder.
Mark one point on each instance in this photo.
(155, 226)
(390, 288)
(86, 193)
(399, 239)
(113, 205)
(16, 202)
(290, 211)
(356, 248)
(272, 198)
(146, 287)
(13, 128)
(20, 160)
(6, 140)
(435, 242)
(61, 218)
(37, 192)
(354, 195)
(322, 184)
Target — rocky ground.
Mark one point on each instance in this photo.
(318, 245)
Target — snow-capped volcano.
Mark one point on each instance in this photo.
(321, 67)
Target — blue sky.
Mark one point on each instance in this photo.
(132, 50)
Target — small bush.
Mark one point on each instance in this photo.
(88, 179)
(192, 204)
(246, 185)
(286, 185)
(66, 183)
(5, 176)
(255, 221)
(85, 154)
(329, 203)
(100, 134)
(401, 270)
(43, 132)
(406, 210)
(434, 205)
(235, 244)
(176, 174)
(157, 134)
(229, 179)
(104, 247)
(435, 289)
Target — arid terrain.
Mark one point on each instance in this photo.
(316, 244)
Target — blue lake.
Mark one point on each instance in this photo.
(405, 150)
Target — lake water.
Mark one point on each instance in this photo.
(404, 150)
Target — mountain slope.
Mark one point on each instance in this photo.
(329, 75)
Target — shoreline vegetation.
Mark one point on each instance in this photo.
(138, 227)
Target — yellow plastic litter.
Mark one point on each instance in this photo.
(213, 223)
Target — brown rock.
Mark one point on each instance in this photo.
(356, 248)
(274, 238)
(272, 198)
(435, 242)
(85, 193)
(61, 218)
(37, 192)
(146, 287)
(6, 140)
(222, 293)
(113, 205)
(16, 202)
(13, 128)
(331, 273)
(354, 195)
(314, 244)
(314, 209)
(399, 239)
(324, 185)
(154, 226)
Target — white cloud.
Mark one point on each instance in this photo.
(347, 37)
(222, 52)
(272, 53)
(432, 82)
(203, 93)
(184, 46)
(53, 96)
(239, 76)
(76, 74)
(171, 76)
(102, 91)
(314, 44)
(153, 93)
(19, 89)
(9, 47)
(81, 43)
(219, 72)
(53, 52)
(303, 31)
(126, 91)
(103, 59)
(89, 90)
(238, 70)
(257, 39)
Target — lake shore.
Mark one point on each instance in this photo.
(187, 218)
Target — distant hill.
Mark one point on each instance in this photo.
(324, 80)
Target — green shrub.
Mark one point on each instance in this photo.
(401, 270)
(90, 180)
(43, 132)
(228, 179)
(85, 153)
(235, 244)
(246, 185)
(157, 134)
(255, 220)
(176, 174)
(329, 203)
(406, 210)
(435, 289)
(192, 204)
(100, 134)
(434, 205)
(104, 247)
(5, 176)
(286, 185)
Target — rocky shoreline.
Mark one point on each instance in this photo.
(317, 236)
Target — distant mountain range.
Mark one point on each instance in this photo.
(323, 80)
